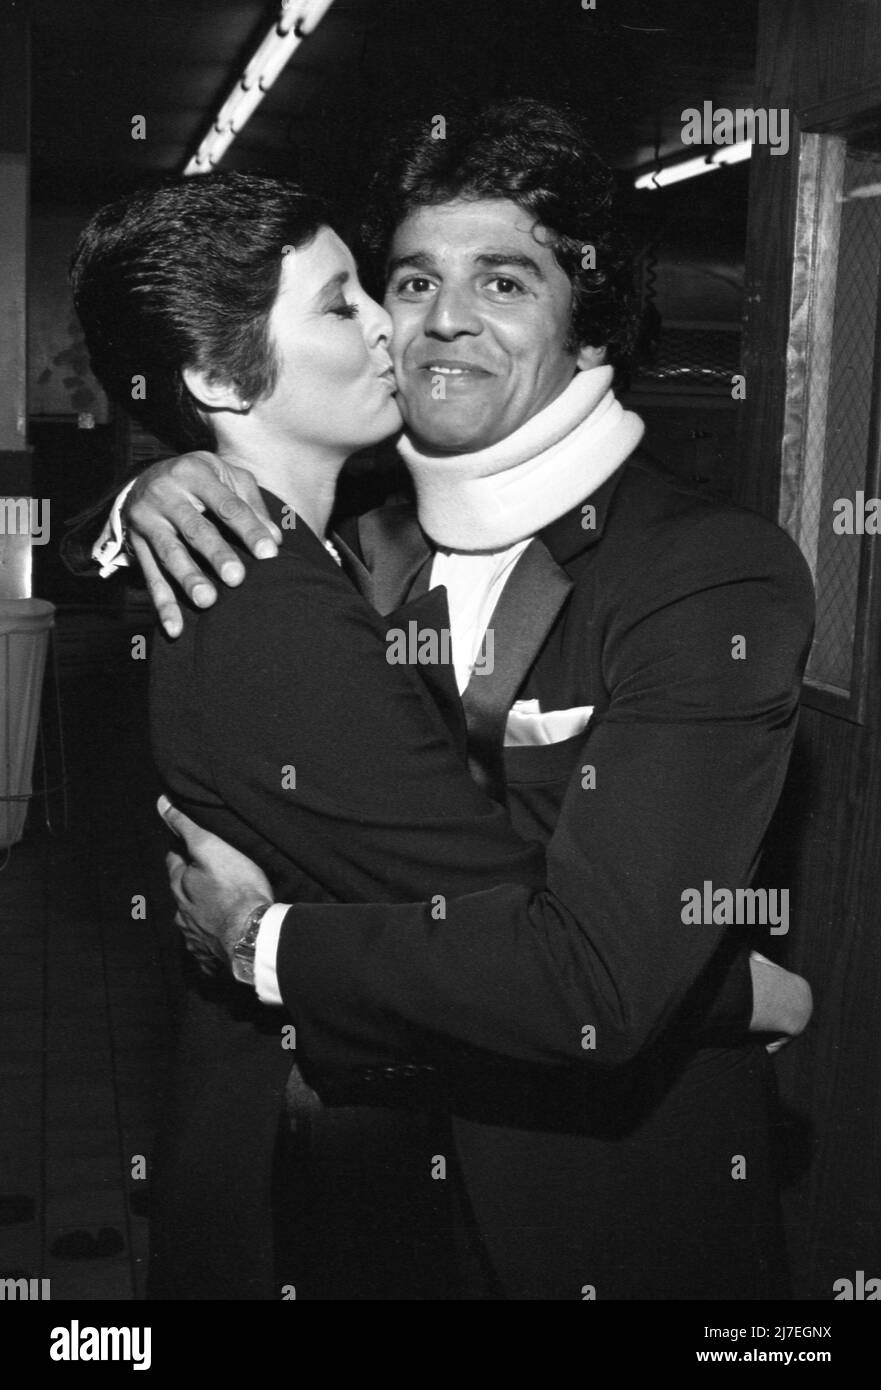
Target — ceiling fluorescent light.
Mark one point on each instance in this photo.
(296, 19)
(733, 154)
(665, 174)
(675, 173)
(303, 15)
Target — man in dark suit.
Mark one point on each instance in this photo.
(628, 655)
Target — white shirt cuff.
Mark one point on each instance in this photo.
(108, 550)
(265, 953)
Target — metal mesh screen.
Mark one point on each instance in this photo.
(850, 369)
(831, 382)
(692, 356)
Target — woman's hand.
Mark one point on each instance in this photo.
(164, 515)
(216, 887)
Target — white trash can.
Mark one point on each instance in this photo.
(25, 624)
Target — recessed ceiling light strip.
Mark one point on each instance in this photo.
(660, 176)
(297, 18)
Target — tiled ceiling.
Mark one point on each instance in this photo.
(632, 64)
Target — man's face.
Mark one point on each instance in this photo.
(481, 313)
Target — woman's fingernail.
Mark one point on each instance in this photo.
(163, 805)
(265, 549)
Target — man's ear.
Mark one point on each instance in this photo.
(211, 392)
(588, 357)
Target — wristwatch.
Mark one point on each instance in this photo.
(245, 949)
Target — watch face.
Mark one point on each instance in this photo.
(243, 967)
(245, 950)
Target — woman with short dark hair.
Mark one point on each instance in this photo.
(277, 720)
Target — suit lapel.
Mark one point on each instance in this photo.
(389, 561)
(395, 563)
(392, 560)
(426, 613)
(521, 620)
(523, 617)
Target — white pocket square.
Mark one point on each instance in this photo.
(528, 726)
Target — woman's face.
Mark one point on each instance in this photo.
(335, 387)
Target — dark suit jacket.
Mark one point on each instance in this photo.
(278, 722)
(614, 1172)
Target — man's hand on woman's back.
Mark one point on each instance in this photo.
(165, 518)
(782, 1001)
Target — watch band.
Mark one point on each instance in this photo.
(245, 949)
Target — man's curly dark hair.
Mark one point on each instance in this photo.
(539, 157)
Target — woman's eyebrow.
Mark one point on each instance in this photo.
(335, 282)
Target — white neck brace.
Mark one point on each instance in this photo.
(497, 496)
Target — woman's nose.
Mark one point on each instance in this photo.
(378, 323)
